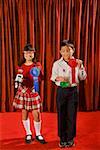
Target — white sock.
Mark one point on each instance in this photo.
(26, 124)
(37, 126)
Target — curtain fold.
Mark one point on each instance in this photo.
(44, 23)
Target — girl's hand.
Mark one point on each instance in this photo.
(38, 65)
(20, 70)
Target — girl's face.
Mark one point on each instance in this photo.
(28, 55)
(65, 52)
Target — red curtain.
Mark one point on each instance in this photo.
(44, 23)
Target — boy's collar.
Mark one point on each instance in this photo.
(62, 59)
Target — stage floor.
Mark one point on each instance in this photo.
(12, 132)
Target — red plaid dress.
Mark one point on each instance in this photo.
(25, 97)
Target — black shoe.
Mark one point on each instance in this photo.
(27, 139)
(70, 143)
(42, 141)
(62, 144)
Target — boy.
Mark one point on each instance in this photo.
(67, 96)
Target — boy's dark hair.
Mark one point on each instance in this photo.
(68, 43)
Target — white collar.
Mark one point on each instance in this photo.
(62, 63)
(61, 59)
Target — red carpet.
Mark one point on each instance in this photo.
(12, 132)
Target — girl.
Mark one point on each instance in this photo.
(27, 98)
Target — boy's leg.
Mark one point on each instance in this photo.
(71, 114)
(61, 110)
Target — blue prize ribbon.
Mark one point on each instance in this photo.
(35, 72)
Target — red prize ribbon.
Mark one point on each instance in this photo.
(72, 63)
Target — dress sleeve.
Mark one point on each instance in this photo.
(41, 76)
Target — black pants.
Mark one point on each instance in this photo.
(67, 100)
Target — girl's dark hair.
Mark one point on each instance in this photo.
(28, 47)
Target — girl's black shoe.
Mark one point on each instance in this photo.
(41, 139)
(28, 139)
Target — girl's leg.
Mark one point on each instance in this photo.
(37, 121)
(26, 124)
(37, 126)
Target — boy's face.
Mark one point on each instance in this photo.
(65, 52)
(71, 51)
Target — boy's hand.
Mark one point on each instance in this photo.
(62, 79)
(79, 62)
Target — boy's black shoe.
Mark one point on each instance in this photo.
(70, 143)
(62, 144)
(41, 139)
(66, 144)
(28, 139)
